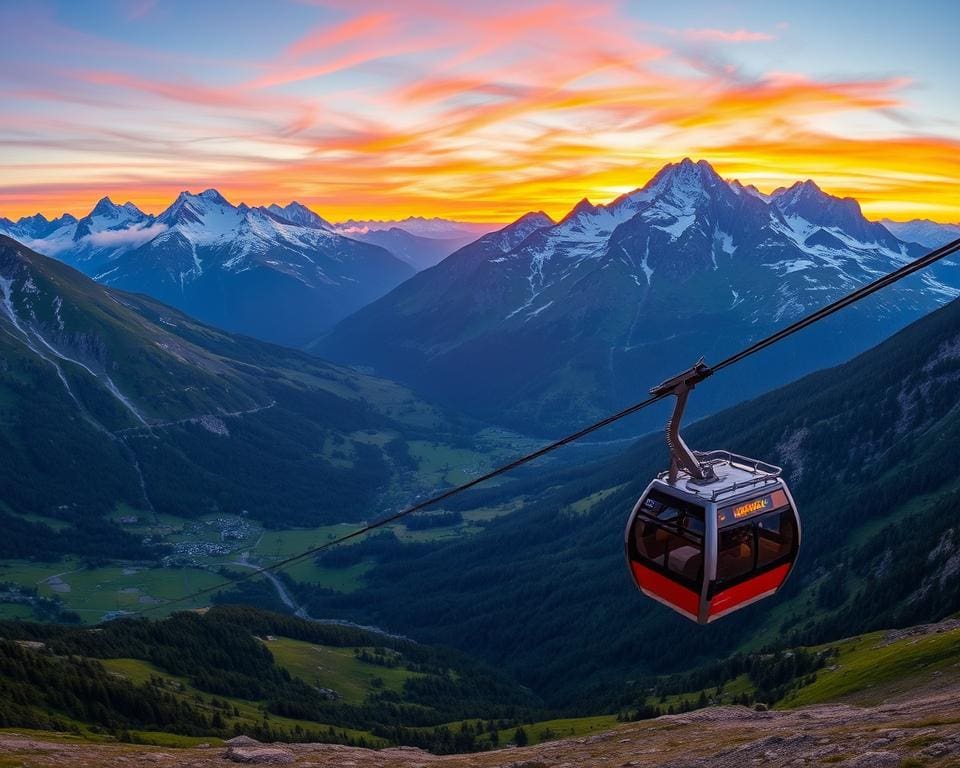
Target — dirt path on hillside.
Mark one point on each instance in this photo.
(926, 729)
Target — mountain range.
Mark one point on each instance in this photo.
(280, 274)
(545, 325)
(869, 449)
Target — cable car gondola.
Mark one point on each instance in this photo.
(714, 533)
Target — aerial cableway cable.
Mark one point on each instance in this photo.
(696, 374)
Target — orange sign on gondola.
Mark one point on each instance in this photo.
(751, 506)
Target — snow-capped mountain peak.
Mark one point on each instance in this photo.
(193, 209)
(677, 190)
(105, 207)
(678, 196)
(213, 196)
(107, 215)
(297, 213)
(749, 189)
(807, 200)
(806, 207)
(798, 193)
(513, 234)
(685, 181)
(581, 209)
(201, 200)
(36, 226)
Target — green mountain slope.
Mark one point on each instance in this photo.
(867, 670)
(110, 400)
(872, 450)
(236, 670)
(202, 677)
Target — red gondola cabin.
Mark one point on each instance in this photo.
(707, 547)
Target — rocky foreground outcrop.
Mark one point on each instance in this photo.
(922, 731)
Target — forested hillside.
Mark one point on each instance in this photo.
(236, 670)
(112, 401)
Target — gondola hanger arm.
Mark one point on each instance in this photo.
(681, 457)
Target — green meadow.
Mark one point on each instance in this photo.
(336, 668)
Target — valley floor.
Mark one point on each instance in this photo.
(921, 729)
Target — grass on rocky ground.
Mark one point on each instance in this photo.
(564, 728)
(869, 671)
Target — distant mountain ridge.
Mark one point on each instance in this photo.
(297, 213)
(545, 325)
(417, 251)
(276, 273)
(420, 226)
(419, 241)
(931, 234)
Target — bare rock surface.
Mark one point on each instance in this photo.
(873, 760)
(242, 741)
(260, 755)
(921, 630)
(924, 729)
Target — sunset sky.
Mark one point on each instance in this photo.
(473, 110)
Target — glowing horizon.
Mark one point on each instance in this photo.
(360, 110)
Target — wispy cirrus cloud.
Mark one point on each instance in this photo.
(706, 35)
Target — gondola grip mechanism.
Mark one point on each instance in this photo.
(681, 457)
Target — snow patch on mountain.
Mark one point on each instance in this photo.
(682, 223)
(726, 242)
